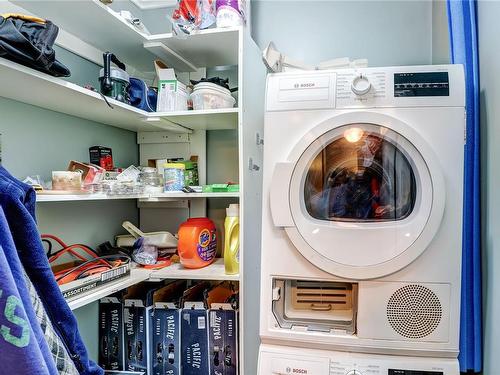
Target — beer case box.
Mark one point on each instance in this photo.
(136, 306)
(216, 332)
(194, 339)
(231, 342)
(223, 339)
(111, 348)
(165, 334)
(165, 339)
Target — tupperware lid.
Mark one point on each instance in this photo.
(211, 87)
(116, 73)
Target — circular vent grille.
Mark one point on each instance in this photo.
(414, 311)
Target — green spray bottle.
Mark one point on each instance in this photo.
(232, 239)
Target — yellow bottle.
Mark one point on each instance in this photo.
(232, 239)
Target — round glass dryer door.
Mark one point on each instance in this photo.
(362, 200)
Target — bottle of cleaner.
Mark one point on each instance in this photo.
(197, 245)
(232, 239)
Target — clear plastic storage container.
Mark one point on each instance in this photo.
(208, 95)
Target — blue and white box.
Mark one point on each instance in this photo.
(223, 339)
(165, 339)
(194, 339)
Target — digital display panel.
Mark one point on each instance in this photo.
(421, 84)
(414, 372)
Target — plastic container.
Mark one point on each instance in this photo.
(232, 239)
(229, 13)
(197, 242)
(173, 176)
(208, 95)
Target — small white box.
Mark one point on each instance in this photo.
(172, 94)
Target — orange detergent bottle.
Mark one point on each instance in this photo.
(197, 242)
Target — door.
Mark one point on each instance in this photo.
(360, 196)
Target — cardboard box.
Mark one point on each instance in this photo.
(111, 349)
(223, 329)
(194, 339)
(101, 156)
(91, 174)
(165, 324)
(222, 340)
(172, 94)
(137, 304)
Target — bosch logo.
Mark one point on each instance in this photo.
(299, 371)
(303, 85)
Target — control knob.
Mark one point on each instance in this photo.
(354, 372)
(360, 85)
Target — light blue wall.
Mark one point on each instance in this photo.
(386, 32)
(37, 141)
(489, 57)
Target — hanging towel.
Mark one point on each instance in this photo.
(18, 202)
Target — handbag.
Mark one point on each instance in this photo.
(142, 96)
(29, 41)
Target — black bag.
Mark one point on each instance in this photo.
(28, 40)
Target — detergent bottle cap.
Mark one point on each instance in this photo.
(233, 210)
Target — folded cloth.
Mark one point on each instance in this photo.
(18, 202)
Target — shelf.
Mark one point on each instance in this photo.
(208, 119)
(180, 195)
(109, 32)
(61, 96)
(205, 48)
(42, 90)
(215, 271)
(104, 29)
(41, 198)
(136, 276)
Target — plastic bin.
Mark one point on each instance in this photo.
(208, 95)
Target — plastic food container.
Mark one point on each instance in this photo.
(173, 176)
(197, 245)
(208, 95)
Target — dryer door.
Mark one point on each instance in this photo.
(361, 196)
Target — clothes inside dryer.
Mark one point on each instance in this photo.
(360, 176)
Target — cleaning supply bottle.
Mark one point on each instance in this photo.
(197, 245)
(232, 239)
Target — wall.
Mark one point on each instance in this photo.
(37, 141)
(385, 32)
(489, 56)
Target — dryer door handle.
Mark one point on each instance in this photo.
(279, 195)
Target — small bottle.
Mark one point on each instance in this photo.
(232, 239)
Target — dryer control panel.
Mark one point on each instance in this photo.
(357, 87)
(404, 86)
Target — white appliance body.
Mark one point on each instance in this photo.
(401, 252)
